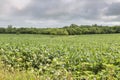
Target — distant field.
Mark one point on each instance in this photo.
(49, 57)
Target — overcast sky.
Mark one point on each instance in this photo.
(58, 13)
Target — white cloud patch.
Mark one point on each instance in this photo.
(19, 4)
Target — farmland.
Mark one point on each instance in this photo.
(54, 57)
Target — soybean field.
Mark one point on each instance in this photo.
(56, 57)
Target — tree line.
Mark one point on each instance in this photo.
(73, 29)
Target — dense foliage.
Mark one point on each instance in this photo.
(73, 29)
(84, 57)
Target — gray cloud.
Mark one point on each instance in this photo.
(59, 12)
(113, 9)
(58, 9)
